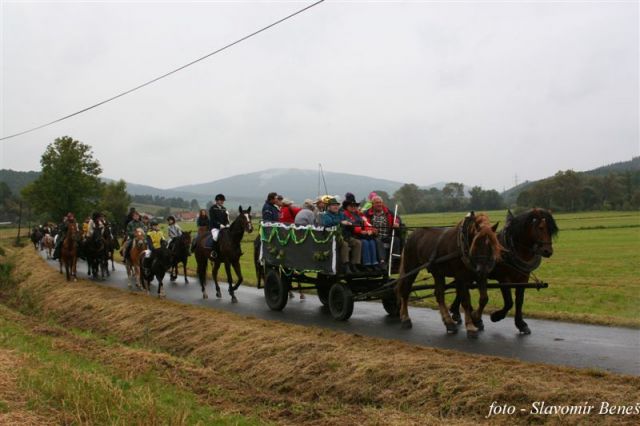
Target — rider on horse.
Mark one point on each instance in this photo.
(218, 219)
(68, 220)
(134, 224)
(174, 230)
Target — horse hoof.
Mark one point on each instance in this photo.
(301, 296)
(234, 299)
(218, 294)
(472, 334)
(186, 281)
(406, 324)
(455, 316)
(452, 328)
(497, 316)
(291, 296)
(205, 295)
(524, 329)
(479, 324)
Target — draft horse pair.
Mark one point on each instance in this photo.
(472, 252)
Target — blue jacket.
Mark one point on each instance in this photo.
(270, 213)
(331, 219)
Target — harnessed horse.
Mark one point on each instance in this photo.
(466, 252)
(527, 238)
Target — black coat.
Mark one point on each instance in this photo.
(218, 216)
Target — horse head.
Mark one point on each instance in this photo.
(485, 249)
(541, 230)
(245, 217)
(140, 240)
(186, 238)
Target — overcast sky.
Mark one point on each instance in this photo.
(417, 92)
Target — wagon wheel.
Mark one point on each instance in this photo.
(390, 304)
(340, 301)
(323, 293)
(322, 288)
(276, 290)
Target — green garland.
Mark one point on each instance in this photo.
(291, 236)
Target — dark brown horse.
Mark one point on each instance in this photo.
(527, 238)
(69, 251)
(228, 252)
(466, 252)
(180, 251)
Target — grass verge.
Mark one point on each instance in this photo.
(304, 375)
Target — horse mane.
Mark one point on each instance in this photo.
(519, 224)
(487, 232)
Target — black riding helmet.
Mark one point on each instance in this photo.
(171, 218)
(220, 197)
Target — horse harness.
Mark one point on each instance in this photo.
(510, 256)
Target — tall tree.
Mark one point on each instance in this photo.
(69, 180)
(115, 201)
(194, 206)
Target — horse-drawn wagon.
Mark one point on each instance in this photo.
(468, 253)
(308, 257)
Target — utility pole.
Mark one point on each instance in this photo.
(19, 224)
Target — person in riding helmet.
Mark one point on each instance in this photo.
(68, 220)
(131, 232)
(174, 230)
(218, 219)
(145, 222)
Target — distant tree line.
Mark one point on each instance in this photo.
(452, 197)
(175, 202)
(571, 191)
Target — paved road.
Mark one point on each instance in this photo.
(586, 346)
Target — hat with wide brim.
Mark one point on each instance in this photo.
(332, 200)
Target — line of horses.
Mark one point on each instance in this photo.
(472, 251)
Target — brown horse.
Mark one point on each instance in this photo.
(527, 238)
(138, 246)
(466, 252)
(69, 251)
(48, 244)
(229, 252)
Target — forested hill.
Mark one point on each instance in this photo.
(16, 180)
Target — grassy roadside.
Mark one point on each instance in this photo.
(293, 374)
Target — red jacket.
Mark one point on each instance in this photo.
(360, 222)
(288, 214)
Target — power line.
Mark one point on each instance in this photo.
(167, 74)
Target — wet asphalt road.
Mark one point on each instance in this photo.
(612, 349)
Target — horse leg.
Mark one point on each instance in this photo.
(202, 276)
(227, 269)
(184, 271)
(522, 326)
(214, 273)
(238, 271)
(439, 288)
(160, 289)
(403, 290)
(476, 315)
(465, 299)
(455, 310)
(500, 314)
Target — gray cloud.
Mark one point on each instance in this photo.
(416, 92)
